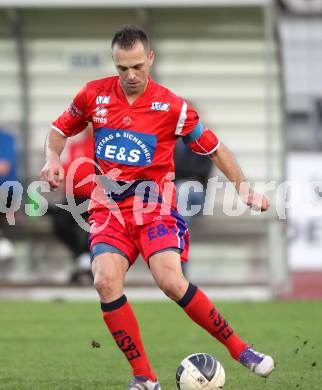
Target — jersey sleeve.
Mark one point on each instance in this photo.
(187, 121)
(73, 120)
(200, 139)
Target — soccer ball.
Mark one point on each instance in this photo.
(200, 371)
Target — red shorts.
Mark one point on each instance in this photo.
(154, 233)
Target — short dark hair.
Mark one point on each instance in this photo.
(128, 36)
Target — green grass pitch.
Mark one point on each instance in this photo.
(49, 345)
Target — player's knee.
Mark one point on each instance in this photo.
(106, 284)
(174, 287)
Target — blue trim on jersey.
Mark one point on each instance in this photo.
(181, 226)
(194, 134)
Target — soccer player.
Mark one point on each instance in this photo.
(136, 124)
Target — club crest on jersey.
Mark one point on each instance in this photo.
(157, 106)
(102, 99)
(127, 120)
(125, 147)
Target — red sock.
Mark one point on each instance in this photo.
(123, 325)
(201, 310)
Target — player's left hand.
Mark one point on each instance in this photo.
(258, 202)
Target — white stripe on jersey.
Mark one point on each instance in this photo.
(177, 234)
(59, 131)
(182, 118)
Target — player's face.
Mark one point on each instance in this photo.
(133, 66)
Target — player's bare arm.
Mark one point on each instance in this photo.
(53, 171)
(227, 163)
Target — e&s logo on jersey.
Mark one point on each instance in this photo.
(125, 147)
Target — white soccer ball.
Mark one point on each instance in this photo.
(200, 371)
(7, 250)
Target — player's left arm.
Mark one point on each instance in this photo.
(204, 141)
(208, 144)
(227, 163)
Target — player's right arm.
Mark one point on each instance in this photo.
(71, 122)
(53, 171)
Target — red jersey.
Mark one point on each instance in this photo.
(138, 139)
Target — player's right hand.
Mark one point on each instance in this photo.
(53, 172)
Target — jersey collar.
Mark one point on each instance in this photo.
(148, 90)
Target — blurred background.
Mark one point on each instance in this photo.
(253, 70)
